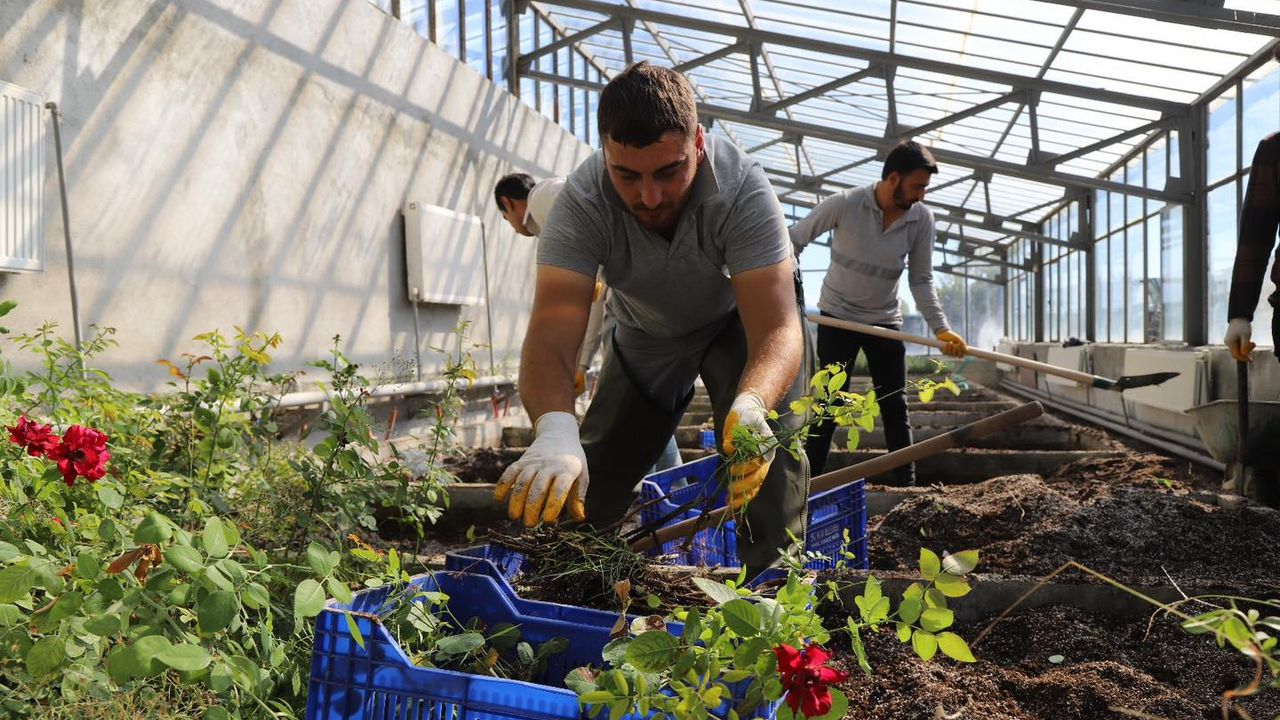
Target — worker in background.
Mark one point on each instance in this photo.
(694, 247)
(525, 205)
(880, 231)
(1259, 220)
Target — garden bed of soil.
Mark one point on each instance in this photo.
(1118, 524)
(1108, 666)
(479, 465)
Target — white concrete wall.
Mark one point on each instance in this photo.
(244, 162)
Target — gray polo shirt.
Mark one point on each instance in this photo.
(669, 295)
(867, 261)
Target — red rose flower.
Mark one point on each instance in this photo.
(83, 451)
(33, 437)
(805, 678)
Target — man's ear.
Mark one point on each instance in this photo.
(505, 204)
(700, 142)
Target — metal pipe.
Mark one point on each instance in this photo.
(316, 397)
(52, 107)
(1141, 432)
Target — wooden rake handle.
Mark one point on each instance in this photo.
(956, 438)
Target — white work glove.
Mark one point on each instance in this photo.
(747, 476)
(551, 471)
(1237, 340)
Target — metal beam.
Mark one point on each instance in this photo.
(907, 133)
(1186, 12)
(870, 70)
(871, 56)
(1161, 124)
(526, 60)
(723, 52)
(997, 280)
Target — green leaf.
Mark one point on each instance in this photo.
(216, 713)
(909, 610)
(741, 617)
(354, 628)
(904, 632)
(615, 653)
(137, 660)
(653, 651)
(929, 564)
(1057, 659)
(854, 439)
(580, 680)
(866, 421)
(255, 596)
(319, 560)
(185, 558)
(7, 306)
(220, 677)
(16, 581)
(936, 619)
(595, 697)
(154, 529)
(961, 563)
(925, 644)
(104, 625)
(717, 591)
(216, 611)
(954, 647)
(87, 566)
(110, 497)
(9, 615)
(926, 395)
(859, 649)
(215, 539)
(951, 586)
(748, 652)
(185, 657)
(460, 644)
(339, 590)
(45, 656)
(308, 600)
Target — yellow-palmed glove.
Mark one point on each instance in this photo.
(745, 478)
(580, 382)
(550, 474)
(595, 294)
(1237, 339)
(955, 344)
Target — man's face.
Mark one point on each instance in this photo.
(910, 188)
(654, 181)
(513, 212)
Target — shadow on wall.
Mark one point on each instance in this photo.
(245, 164)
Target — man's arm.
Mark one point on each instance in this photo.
(1259, 218)
(766, 300)
(823, 217)
(548, 360)
(920, 279)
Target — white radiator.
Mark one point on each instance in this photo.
(22, 157)
(1071, 358)
(444, 253)
(1189, 389)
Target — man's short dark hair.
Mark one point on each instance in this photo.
(645, 102)
(907, 157)
(515, 186)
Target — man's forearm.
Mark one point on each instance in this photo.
(546, 377)
(773, 362)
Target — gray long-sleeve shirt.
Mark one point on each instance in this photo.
(867, 261)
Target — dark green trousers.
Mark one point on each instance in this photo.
(625, 430)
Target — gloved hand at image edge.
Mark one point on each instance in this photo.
(746, 477)
(551, 474)
(1238, 339)
(955, 345)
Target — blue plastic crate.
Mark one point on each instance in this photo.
(830, 514)
(379, 680)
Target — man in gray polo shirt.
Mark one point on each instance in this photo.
(880, 230)
(694, 246)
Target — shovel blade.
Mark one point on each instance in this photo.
(1129, 382)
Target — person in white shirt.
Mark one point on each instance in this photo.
(525, 205)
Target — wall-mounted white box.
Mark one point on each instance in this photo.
(22, 159)
(444, 255)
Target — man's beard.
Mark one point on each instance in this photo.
(900, 199)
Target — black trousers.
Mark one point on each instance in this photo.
(625, 430)
(887, 360)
